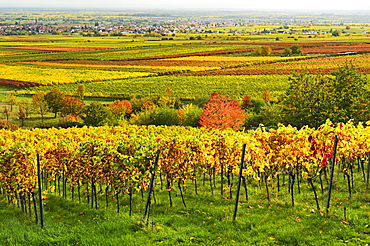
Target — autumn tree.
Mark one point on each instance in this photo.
(167, 99)
(266, 95)
(11, 100)
(120, 108)
(6, 113)
(8, 126)
(22, 115)
(39, 102)
(148, 105)
(263, 50)
(81, 91)
(222, 112)
(247, 102)
(71, 105)
(27, 106)
(54, 99)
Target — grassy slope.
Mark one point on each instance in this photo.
(206, 220)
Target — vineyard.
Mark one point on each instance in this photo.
(137, 65)
(99, 166)
(176, 185)
(107, 156)
(183, 87)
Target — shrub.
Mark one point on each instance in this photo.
(157, 116)
(141, 118)
(189, 115)
(164, 116)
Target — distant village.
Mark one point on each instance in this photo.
(157, 25)
(100, 29)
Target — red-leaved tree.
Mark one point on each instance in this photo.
(222, 112)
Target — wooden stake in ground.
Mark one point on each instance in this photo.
(151, 184)
(331, 173)
(239, 182)
(368, 171)
(40, 192)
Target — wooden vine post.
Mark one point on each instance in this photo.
(239, 182)
(40, 191)
(150, 188)
(334, 153)
(368, 171)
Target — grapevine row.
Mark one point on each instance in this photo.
(120, 158)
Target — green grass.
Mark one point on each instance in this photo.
(6, 88)
(205, 220)
(34, 118)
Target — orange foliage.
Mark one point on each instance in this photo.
(222, 112)
(120, 107)
(72, 105)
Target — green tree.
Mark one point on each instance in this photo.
(296, 49)
(54, 99)
(305, 101)
(164, 116)
(335, 33)
(311, 100)
(156, 116)
(351, 96)
(288, 52)
(96, 114)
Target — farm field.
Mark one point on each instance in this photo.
(135, 65)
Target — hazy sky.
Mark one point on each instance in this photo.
(194, 4)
